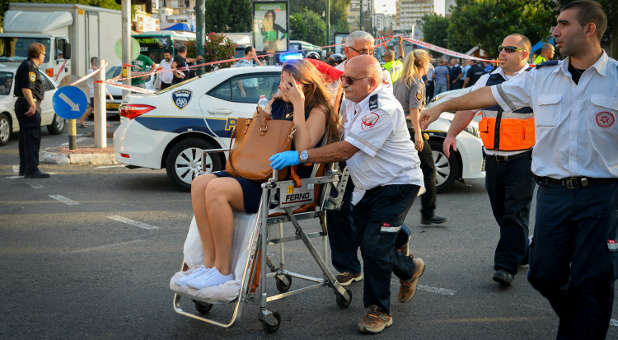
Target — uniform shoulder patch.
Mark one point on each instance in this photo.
(419, 95)
(369, 120)
(373, 102)
(547, 63)
(32, 76)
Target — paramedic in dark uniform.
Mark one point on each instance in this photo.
(29, 93)
(509, 181)
(387, 177)
(576, 166)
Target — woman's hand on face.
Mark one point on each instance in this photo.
(292, 90)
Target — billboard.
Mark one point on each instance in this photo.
(270, 26)
(340, 40)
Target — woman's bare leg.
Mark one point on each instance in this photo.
(223, 195)
(198, 194)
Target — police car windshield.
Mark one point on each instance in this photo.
(6, 81)
(16, 48)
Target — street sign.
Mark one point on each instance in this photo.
(70, 102)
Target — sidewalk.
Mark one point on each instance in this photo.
(86, 153)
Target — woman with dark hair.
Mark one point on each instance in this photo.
(303, 99)
(271, 32)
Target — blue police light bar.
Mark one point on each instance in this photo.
(289, 56)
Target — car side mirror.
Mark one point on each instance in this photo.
(66, 51)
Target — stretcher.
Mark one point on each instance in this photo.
(283, 204)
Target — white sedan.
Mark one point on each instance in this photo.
(465, 163)
(8, 120)
(170, 128)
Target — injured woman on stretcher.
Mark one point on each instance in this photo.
(303, 98)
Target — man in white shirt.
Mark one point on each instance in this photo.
(386, 173)
(166, 75)
(573, 252)
(94, 64)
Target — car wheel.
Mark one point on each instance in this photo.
(184, 161)
(5, 129)
(447, 168)
(57, 125)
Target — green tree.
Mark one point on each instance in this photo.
(228, 15)
(338, 12)
(308, 26)
(435, 29)
(486, 23)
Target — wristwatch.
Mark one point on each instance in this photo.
(304, 156)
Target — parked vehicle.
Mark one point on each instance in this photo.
(465, 163)
(72, 34)
(8, 120)
(112, 105)
(169, 129)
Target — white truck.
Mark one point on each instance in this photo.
(72, 34)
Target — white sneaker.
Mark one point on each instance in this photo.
(190, 274)
(214, 278)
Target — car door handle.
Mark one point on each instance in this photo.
(220, 111)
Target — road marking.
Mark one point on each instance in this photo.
(64, 200)
(13, 177)
(613, 322)
(104, 247)
(132, 222)
(487, 320)
(436, 290)
(110, 166)
(74, 106)
(36, 186)
(16, 169)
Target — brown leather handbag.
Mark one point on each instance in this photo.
(255, 142)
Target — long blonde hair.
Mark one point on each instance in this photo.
(315, 93)
(414, 61)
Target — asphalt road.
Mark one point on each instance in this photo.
(88, 253)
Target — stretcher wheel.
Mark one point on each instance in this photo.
(343, 302)
(202, 307)
(283, 282)
(272, 325)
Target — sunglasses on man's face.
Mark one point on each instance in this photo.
(509, 49)
(350, 80)
(362, 51)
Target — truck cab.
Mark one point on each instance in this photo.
(50, 29)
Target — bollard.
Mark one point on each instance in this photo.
(72, 134)
(100, 110)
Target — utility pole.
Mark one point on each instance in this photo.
(361, 20)
(126, 46)
(200, 12)
(327, 22)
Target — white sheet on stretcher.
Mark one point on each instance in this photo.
(193, 253)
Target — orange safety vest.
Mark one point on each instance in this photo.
(506, 131)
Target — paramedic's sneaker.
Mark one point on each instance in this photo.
(191, 274)
(211, 279)
(408, 287)
(375, 321)
(346, 279)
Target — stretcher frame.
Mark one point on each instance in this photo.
(333, 185)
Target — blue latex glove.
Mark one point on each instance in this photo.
(283, 159)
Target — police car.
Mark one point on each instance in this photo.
(467, 161)
(169, 129)
(113, 105)
(8, 120)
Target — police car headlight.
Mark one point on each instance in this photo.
(474, 131)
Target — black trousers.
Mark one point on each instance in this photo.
(570, 263)
(428, 199)
(510, 186)
(378, 218)
(342, 235)
(29, 137)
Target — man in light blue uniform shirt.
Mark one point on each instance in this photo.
(575, 161)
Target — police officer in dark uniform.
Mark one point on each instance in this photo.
(29, 93)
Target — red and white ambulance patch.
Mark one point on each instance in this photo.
(605, 119)
(369, 120)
